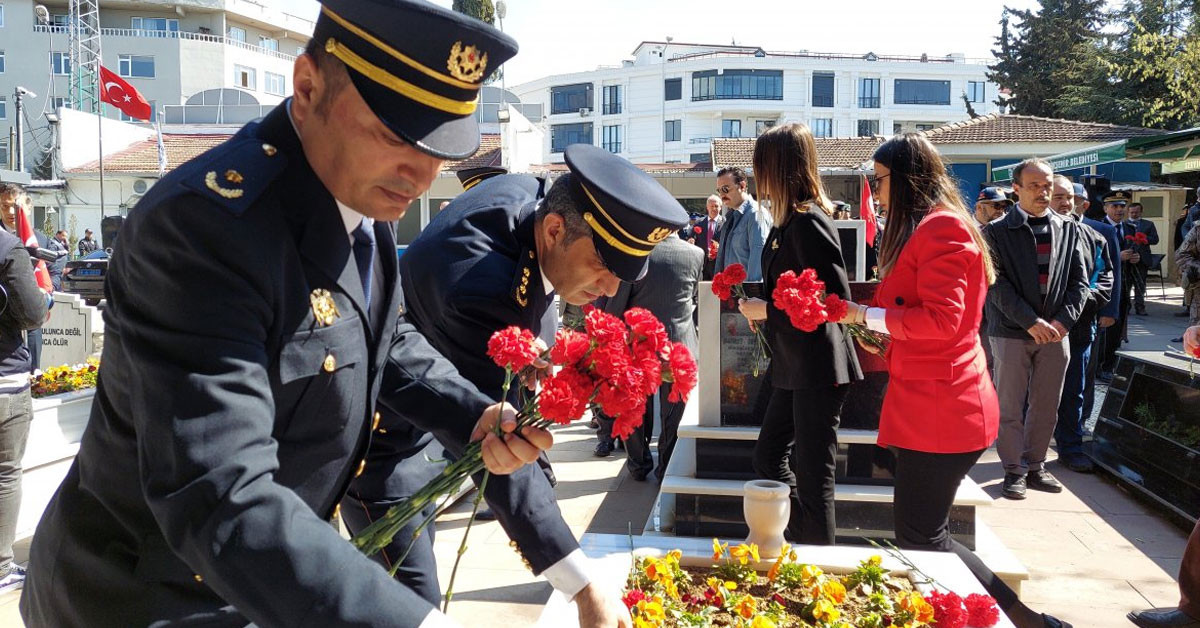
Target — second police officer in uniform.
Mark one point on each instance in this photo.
(250, 314)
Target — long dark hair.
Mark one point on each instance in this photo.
(785, 170)
(918, 183)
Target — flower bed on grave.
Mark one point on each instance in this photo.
(659, 592)
(62, 379)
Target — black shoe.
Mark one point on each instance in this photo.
(1179, 339)
(1182, 314)
(638, 475)
(1043, 481)
(1054, 622)
(1163, 618)
(1078, 463)
(603, 449)
(1014, 486)
(485, 514)
(620, 443)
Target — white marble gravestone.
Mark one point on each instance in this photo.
(69, 336)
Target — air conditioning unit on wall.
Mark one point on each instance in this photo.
(584, 111)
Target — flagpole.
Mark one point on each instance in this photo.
(100, 147)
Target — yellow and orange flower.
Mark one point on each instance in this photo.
(825, 611)
(719, 549)
(746, 606)
(921, 610)
(762, 621)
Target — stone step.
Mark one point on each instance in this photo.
(968, 494)
(848, 436)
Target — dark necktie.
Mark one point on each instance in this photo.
(364, 256)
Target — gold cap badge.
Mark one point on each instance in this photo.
(323, 307)
(658, 235)
(467, 64)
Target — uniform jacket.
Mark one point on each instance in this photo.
(742, 237)
(1113, 250)
(1015, 302)
(939, 398)
(823, 357)
(1142, 225)
(229, 420)
(471, 272)
(669, 290)
(24, 308)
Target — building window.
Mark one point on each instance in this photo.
(868, 93)
(672, 130)
(738, 84)
(822, 89)
(1, 62)
(868, 128)
(135, 66)
(822, 127)
(268, 43)
(975, 91)
(563, 135)
(3, 107)
(58, 103)
(60, 19)
(1, 15)
(700, 158)
(731, 128)
(245, 77)
(925, 127)
(158, 25)
(761, 126)
(273, 83)
(673, 89)
(237, 33)
(915, 92)
(611, 140)
(612, 99)
(571, 98)
(60, 63)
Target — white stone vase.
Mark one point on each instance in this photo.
(766, 506)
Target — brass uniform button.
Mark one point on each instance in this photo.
(330, 363)
(198, 577)
(269, 150)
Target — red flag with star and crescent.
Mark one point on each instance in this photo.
(867, 212)
(120, 94)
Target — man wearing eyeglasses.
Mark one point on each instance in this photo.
(991, 204)
(745, 231)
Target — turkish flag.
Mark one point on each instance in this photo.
(866, 210)
(25, 232)
(115, 91)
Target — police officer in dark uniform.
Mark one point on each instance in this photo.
(495, 257)
(470, 177)
(252, 309)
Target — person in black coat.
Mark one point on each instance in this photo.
(809, 370)
(252, 308)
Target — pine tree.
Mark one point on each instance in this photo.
(1156, 61)
(1034, 53)
(484, 11)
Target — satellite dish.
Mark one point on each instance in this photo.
(501, 9)
(139, 186)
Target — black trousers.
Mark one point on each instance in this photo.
(797, 445)
(924, 492)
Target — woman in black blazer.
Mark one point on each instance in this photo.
(809, 370)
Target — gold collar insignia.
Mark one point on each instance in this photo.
(323, 307)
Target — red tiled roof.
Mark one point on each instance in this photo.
(848, 152)
(680, 168)
(181, 147)
(1004, 128)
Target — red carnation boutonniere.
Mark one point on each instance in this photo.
(727, 284)
(802, 297)
(697, 230)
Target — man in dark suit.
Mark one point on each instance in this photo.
(1115, 211)
(226, 428)
(1144, 256)
(706, 232)
(496, 257)
(669, 291)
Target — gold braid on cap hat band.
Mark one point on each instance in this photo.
(474, 181)
(396, 54)
(397, 84)
(606, 235)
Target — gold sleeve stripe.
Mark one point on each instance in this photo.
(397, 84)
(614, 223)
(399, 56)
(610, 238)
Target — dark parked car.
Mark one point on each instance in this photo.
(85, 276)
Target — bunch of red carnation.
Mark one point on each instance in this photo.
(952, 611)
(712, 249)
(802, 298)
(1138, 238)
(613, 366)
(728, 283)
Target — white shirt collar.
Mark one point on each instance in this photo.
(546, 285)
(352, 219)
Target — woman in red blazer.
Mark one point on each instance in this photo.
(940, 412)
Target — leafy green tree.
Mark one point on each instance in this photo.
(484, 11)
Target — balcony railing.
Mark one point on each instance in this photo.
(612, 108)
(214, 114)
(700, 140)
(868, 102)
(135, 32)
(612, 147)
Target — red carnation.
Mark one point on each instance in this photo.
(512, 348)
(651, 369)
(712, 250)
(947, 609)
(981, 611)
(800, 297)
(647, 329)
(835, 307)
(569, 346)
(683, 373)
(610, 359)
(697, 229)
(724, 282)
(603, 327)
(632, 597)
(625, 424)
(564, 396)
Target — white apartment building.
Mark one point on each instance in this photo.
(227, 60)
(672, 99)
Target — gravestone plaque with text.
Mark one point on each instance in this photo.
(67, 335)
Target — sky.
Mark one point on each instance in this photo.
(561, 36)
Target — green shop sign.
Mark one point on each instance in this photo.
(1096, 155)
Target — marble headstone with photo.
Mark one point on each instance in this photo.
(72, 333)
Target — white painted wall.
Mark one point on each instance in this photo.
(79, 137)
